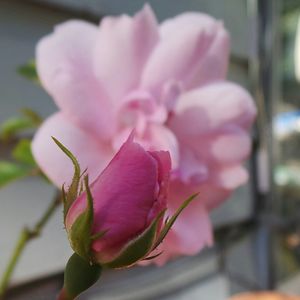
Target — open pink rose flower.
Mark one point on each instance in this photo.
(128, 196)
(168, 82)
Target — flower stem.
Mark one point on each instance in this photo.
(26, 235)
(63, 296)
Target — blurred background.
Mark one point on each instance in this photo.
(257, 230)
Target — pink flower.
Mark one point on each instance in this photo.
(128, 196)
(167, 82)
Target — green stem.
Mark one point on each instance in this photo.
(26, 235)
(63, 296)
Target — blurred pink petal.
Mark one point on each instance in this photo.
(65, 67)
(192, 168)
(213, 138)
(158, 137)
(192, 230)
(230, 145)
(193, 50)
(123, 45)
(231, 177)
(223, 149)
(212, 106)
(54, 162)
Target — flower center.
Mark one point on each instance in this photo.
(138, 109)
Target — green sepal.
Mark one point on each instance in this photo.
(10, 171)
(80, 234)
(153, 256)
(171, 220)
(72, 192)
(79, 276)
(29, 71)
(64, 200)
(22, 153)
(99, 235)
(138, 248)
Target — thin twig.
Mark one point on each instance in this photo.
(26, 235)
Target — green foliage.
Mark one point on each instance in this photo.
(29, 71)
(79, 276)
(22, 153)
(13, 126)
(22, 163)
(10, 171)
(33, 116)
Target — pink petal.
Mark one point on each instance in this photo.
(211, 194)
(164, 167)
(199, 48)
(54, 163)
(232, 177)
(192, 169)
(139, 108)
(190, 234)
(124, 194)
(65, 67)
(123, 46)
(154, 138)
(159, 137)
(207, 109)
(211, 125)
(230, 145)
(201, 167)
(192, 230)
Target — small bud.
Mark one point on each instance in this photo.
(79, 276)
(118, 220)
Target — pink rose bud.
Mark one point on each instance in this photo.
(118, 219)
